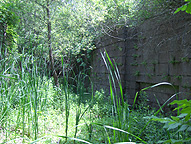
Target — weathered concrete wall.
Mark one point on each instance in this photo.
(156, 51)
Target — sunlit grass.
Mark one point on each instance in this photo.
(50, 124)
(33, 110)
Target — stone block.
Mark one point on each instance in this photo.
(162, 69)
(176, 80)
(149, 55)
(130, 95)
(184, 95)
(130, 52)
(131, 85)
(115, 53)
(186, 81)
(185, 92)
(175, 69)
(186, 68)
(129, 67)
(144, 78)
(186, 37)
(176, 55)
(163, 57)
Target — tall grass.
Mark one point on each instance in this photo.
(22, 91)
(30, 104)
(28, 94)
(121, 109)
(75, 93)
(122, 113)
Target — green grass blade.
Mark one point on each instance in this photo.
(109, 60)
(111, 70)
(8, 76)
(136, 95)
(158, 84)
(117, 129)
(107, 135)
(156, 113)
(153, 86)
(104, 60)
(158, 103)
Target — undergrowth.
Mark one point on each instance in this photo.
(33, 110)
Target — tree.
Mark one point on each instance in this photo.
(8, 21)
(186, 7)
(35, 30)
(50, 44)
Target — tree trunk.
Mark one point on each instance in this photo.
(50, 45)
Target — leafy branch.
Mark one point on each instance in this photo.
(186, 7)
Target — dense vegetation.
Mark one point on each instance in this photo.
(44, 57)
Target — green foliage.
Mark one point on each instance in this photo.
(185, 59)
(24, 93)
(134, 64)
(186, 7)
(178, 77)
(135, 56)
(8, 22)
(144, 63)
(30, 105)
(101, 108)
(7, 14)
(131, 124)
(74, 24)
(181, 124)
(175, 62)
(143, 102)
(137, 73)
(136, 47)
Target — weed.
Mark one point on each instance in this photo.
(185, 59)
(137, 73)
(144, 63)
(119, 64)
(174, 61)
(136, 47)
(154, 62)
(179, 77)
(33, 110)
(134, 64)
(179, 123)
(120, 48)
(143, 102)
(149, 75)
(135, 56)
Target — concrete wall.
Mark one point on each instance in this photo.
(156, 51)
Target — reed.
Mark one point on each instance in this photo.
(122, 115)
(21, 93)
(30, 104)
(121, 108)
